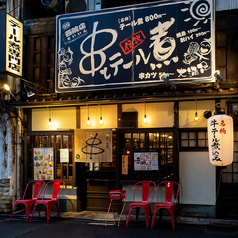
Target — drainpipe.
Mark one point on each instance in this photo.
(19, 115)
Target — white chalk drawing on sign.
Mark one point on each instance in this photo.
(66, 59)
(199, 10)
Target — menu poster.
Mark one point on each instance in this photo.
(146, 161)
(43, 163)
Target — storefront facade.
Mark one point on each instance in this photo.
(171, 132)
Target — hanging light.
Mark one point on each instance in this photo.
(50, 123)
(145, 117)
(88, 121)
(101, 123)
(220, 138)
(196, 114)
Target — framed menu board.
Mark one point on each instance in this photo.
(146, 161)
(43, 163)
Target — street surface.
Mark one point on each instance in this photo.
(85, 229)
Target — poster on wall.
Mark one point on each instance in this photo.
(64, 155)
(146, 161)
(43, 163)
(132, 46)
(93, 146)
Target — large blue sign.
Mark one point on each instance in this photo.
(133, 46)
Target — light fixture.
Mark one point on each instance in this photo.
(196, 114)
(5, 87)
(88, 121)
(164, 78)
(218, 78)
(29, 92)
(57, 5)
(145, 118)
(101, 123)
(50, 123)
(220, 137)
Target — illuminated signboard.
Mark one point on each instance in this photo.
(133, 46)
(12, 39)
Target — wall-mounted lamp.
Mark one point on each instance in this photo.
(196, 114)
(29, 92)
(145, 117)
(101, 123)
(88, 121)
(50, 123)
(218, 79)
(57, 5)
(164, 78)
(6, 87)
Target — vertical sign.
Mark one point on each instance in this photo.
(124, 164)
(14, 45)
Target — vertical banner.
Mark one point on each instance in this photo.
(43, 163)
(93, 145)
(124, 164)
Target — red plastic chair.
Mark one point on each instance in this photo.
(117, 195)
(54, 198)
(171, 199)
(38, 186)
(144, 204)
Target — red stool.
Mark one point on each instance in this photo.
(117, 195)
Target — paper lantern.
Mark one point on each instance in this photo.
(220, 139)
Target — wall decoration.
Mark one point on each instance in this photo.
(134, 45)
(93, 145)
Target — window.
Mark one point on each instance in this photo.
(56, 140)
(148, 140)
(193, 140)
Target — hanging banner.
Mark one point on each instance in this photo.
(133, 46)
(124, 165)
(93, 145)
(43, 163)
(220, 139)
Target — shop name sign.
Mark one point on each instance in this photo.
(11, 45)
(133, 46)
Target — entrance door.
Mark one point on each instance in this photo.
(94, 181)
(227, 187)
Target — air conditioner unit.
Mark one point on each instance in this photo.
(81, 5)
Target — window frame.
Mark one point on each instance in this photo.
(196, 147)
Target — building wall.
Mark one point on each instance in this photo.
(197, 179)
(63, 118)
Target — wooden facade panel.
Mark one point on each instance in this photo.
(29, 59)
(43, 60)
(221, 57)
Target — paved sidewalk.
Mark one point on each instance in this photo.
(100, 217)
(95, 216)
